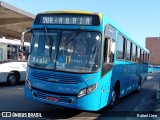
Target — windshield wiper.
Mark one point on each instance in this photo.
(93, 56)
(71, 37)
(51, 41)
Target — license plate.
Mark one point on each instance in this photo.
(52, 98)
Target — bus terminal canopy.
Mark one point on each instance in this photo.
(13, 21)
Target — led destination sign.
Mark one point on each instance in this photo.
(66, 20)
(70, 19)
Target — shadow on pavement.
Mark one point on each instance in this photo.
(4, 84)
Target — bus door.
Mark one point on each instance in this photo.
(109, 49)
(108, 55)
(107, 63)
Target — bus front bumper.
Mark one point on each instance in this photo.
(89, 102)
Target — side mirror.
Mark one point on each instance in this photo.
(22, 40)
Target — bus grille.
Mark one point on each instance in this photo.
(57, 78)
(64, 99)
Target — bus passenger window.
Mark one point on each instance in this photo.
(108, 55)
(127, 53)
(120, 47)
(109, 50)
(12, 52)
(133, 57)
(112, 51)
(138, 54)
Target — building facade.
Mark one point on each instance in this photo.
(153, 45)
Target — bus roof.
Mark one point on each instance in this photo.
(13, 42)
(69, 11)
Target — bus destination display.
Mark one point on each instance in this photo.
(68, 20)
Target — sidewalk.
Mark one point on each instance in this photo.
(157, 104)
(157, 107)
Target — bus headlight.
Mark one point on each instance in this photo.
(87, 90)
(91, 88)
(82, 92)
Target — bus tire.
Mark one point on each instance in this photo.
(12, 79)
(139, 86)
(114, 96)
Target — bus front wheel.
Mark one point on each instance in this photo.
(12, 79)
(114, 96)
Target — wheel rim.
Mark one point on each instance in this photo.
(113, 100)
(12, 79)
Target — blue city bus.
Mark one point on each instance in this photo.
(82, 60)
(150, 68)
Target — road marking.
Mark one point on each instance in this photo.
(149, 77)
(20, 88)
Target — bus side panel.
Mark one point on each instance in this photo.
(144, 72)
(127, 75)
(119, 74)
(105, 89)
(9, 67)
(135, 71)
(3, 76)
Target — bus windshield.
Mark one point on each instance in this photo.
(65, 50)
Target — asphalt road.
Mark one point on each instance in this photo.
(12, 99)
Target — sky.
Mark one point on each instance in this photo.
(139, 18)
